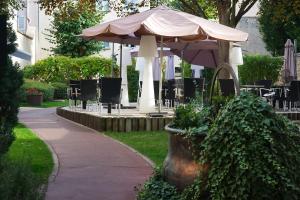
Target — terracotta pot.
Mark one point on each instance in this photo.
(35, 100)
(180, 168)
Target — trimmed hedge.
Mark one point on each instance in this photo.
(62, 68)
(259, 67)
(60, 90)
(46, 89)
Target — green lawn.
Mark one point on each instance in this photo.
(48, 104)
(28, 146)
(153, 145)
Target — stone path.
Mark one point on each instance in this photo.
(90, 165)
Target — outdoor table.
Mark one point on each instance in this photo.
(252, 86)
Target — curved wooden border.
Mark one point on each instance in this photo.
(227, 67)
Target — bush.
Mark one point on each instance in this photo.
(133, 82)
(18, 181)
(253, 152)
(157, 189)
(60, 90)
(11, 80)
(62, 69)
(46, 89)
(260, 67)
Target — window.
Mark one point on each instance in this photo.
(106, 45)
(22, 19)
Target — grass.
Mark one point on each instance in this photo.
(153, 145)
(48, 104)
(28, 146)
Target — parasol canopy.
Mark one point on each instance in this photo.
(173, 25)
(290, 72)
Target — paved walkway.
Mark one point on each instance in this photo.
(90, 166)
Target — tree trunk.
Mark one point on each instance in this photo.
(224, 18)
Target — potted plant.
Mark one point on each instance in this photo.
(188, 130)
(34, 97)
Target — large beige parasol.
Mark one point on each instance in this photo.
(162, 21)
(167, 25)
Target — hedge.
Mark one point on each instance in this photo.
(260, 67)
(62, 68)
(46, 89)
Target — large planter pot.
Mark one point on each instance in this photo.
(35, 100)
(180, 168)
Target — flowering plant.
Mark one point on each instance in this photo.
(33, 91)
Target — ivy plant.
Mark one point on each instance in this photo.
(253, 153)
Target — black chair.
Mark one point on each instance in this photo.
(156, 90)
(293, 94)
(73, 91)
(111, 91)
(227, 87)
(169, 96)
(192, 87)
(88, 91)
(266, 91)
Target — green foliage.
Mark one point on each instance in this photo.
(279, 21)
(187, 71)
(68, 22)
(133, 82)
(157, 189)
(10, 82)
(46, 89)
(260, 67)
(60, 90)
(253, 153)
(18, 181)
(62, 69)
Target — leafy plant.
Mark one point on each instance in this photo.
(279, 21)
(39, 87)
(68, 22)
(253, 153)
(32, 91)
(18, 181)
(133, 82)
(11, 79)
(157, 189)
(61, 68)
(260, 67)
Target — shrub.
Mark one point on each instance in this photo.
(18, 181)
(133, 82)
(11, 80)
(253, 152)
(157, 189)
(260, 67)
(46, 89)
(60, 90)
(62, 69)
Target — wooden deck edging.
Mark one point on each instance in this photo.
(115, 123)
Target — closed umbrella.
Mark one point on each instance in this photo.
(290, 72)
(156, 69)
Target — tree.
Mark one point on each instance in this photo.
(68, 22)
(278, 22)
(11, 80)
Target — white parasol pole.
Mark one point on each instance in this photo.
(148, 50)
(160, 77)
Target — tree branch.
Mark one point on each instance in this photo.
(245, 7)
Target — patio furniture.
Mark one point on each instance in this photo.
(170, 93)
(88, 91)
(110, 92)
(73, 92)
(293, 95)
(266, 91)
(227, 87)
(189, 88)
